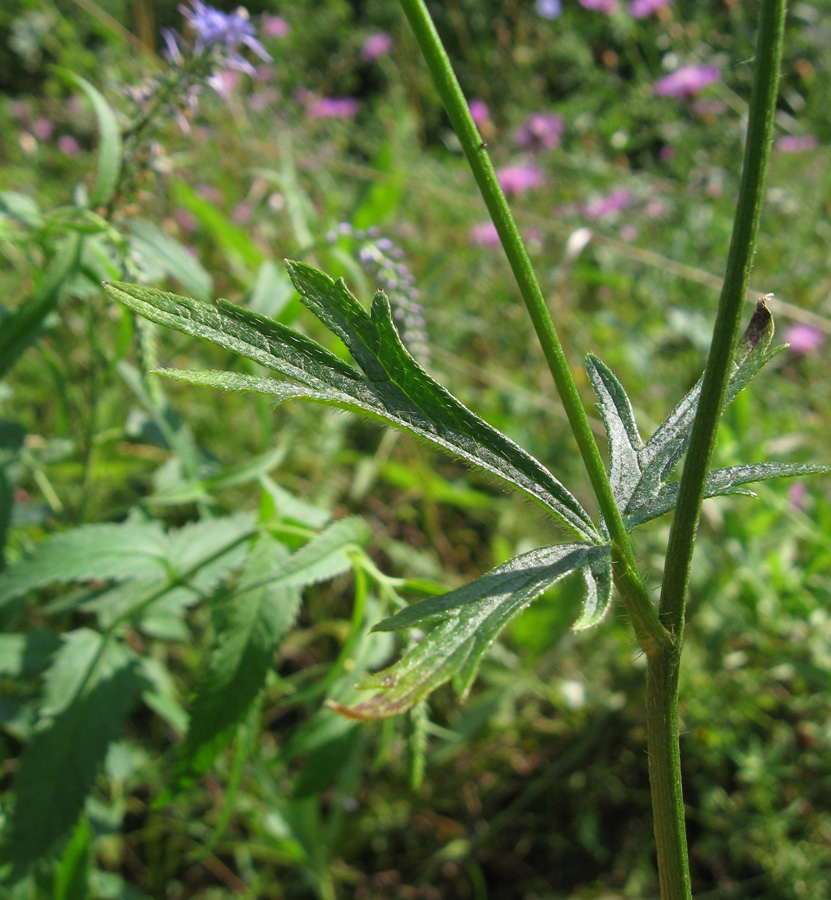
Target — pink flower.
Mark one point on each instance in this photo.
(518, 179)
(42, 129)
(804, 339)
(640, 9)
(68, 145)
(686, 81)
(607, 206)
(275, 26)
(186, 219)
(480, 112)
(796, 495)
(792, 143)
(376, 45)
(241, 214)
(540, 131)
(605, 6)
(332, 108)
(484, 235)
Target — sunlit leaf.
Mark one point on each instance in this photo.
(721, 482)
(619, 419)
(391, 387)
(465, 624)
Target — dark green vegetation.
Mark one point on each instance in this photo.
(536, 787)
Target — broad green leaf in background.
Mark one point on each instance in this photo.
(248, 625)
(391, 387)
(71, 878)
(26, 654)
(128, 550)
(89, 691)
(12, 436)
(164, 572)
(162, 256)
(22, 327)
(243, 254)
(465, 623)
(109, 148)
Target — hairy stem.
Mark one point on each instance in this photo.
(648, 628)
(663, 669)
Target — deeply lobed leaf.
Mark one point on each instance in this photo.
(639, 472)
(468, 620)
(391, 386)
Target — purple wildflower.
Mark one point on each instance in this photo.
(686, 81)
(608, 205)
(605, 6)
(222, 34)
(518, 179)
(483, 235)
(479, 112)
(804, 339)
(275, 26)
(796, 495)
(185, 219)
(640, 9)
(549, 9)
(540, 131)
(43, 129)
(68, 145)
(792, 143)
(332, 108)
(242, 213)
(376, 45)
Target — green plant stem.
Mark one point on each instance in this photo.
(663, 668)
(650, 632)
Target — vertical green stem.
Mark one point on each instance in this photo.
(651, 634)
(663, 668)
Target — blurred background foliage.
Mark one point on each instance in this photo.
(536, 787)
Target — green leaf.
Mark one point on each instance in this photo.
(720, 483)
(466, 622)
(161, 256)
(599, 581)
(109, 150)
(26, 654)
(22, 327)
(71, 879)
(248, 626)
(619, 419)
(100, 552)
(670, 441)
(392, 388)
(89, 691)
(236, 243)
